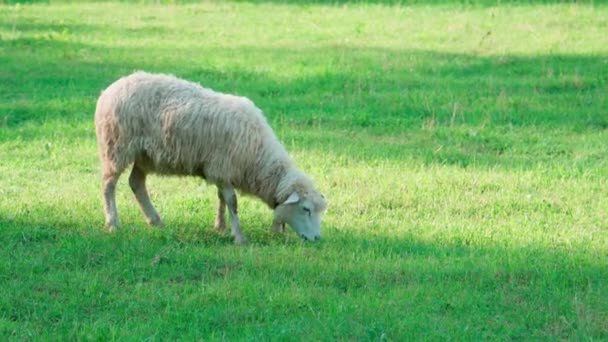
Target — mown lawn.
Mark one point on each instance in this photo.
(463, 150)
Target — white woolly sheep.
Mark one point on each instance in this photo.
(165, 125)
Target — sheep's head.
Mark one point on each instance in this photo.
(302, 211)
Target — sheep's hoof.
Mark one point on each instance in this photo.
(156, 223)
(219, 226)
(240, 240)
(110, 227)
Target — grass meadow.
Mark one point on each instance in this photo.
(463, 148)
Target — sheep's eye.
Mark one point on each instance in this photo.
(306, 210)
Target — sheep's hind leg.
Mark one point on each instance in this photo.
(137, 182)
(108, 190)
(235, 227)
(220, 217)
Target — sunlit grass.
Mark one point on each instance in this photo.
(463, 151)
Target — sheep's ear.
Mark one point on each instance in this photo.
(293, 198)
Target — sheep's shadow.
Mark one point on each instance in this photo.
(39, 228)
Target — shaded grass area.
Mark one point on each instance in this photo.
(445, 108)
(107, 286)
(348, 87)
(462, 149)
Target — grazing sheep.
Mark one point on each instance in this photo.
(165, 125)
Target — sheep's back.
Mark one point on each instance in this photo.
(173, 126)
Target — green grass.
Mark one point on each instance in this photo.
(463, 150)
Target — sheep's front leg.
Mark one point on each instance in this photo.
(278, 227)
(235, 227)
(220, 217)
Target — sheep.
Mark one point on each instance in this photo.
(169, 126)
